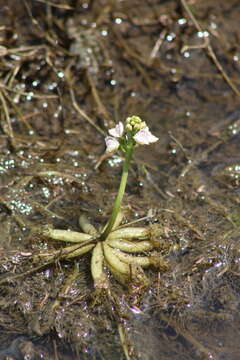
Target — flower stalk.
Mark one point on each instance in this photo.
(126, 139)
(121, 191)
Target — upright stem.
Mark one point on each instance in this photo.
(121, 191)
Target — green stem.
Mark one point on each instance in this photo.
(121, 191)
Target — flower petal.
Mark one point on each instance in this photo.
(111, 143)
(145, 137)
(117, 131)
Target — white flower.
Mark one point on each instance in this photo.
(111, 143)
(117, 131)
(145, 137)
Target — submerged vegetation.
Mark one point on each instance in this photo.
(164, 276)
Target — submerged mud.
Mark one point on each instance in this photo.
(69, 70)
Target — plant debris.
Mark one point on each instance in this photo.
(69, 70)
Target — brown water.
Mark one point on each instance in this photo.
(70, 70)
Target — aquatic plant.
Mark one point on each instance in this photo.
(124, 250)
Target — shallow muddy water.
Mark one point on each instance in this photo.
(69, 71)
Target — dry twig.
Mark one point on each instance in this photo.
(210, 50)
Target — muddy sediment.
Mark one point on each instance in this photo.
(70, 70)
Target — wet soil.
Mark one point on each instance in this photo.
(69, 70)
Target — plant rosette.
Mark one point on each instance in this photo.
(124, 250)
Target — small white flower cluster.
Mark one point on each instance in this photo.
(135, 127)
